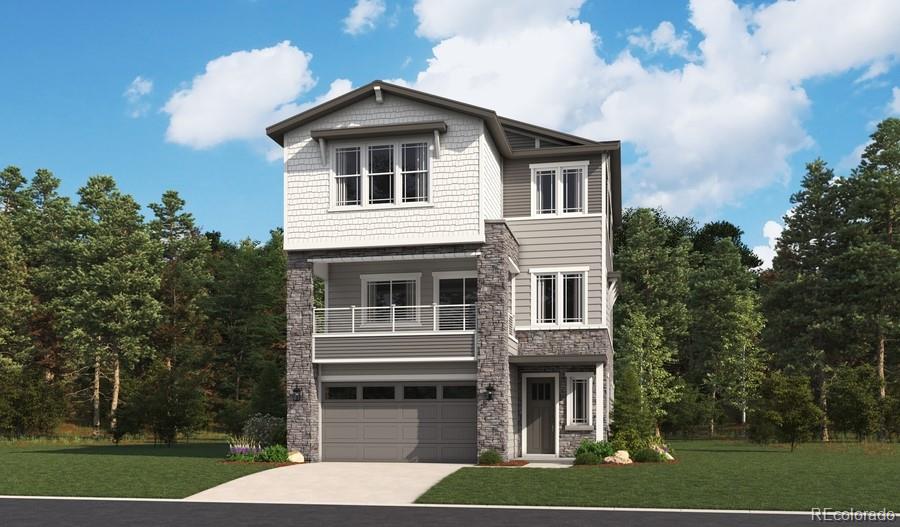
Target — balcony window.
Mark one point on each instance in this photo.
(381, 174)
(347, 176)
(414, 172)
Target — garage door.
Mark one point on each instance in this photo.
(399, 422)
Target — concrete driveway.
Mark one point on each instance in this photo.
(333, 483)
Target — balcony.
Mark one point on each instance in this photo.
(395, 333)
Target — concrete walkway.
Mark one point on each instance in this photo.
(333, 483)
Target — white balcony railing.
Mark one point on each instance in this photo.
(432, 318)
(511, 324)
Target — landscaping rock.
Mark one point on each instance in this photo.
(621, 457)
(295, 457)
(663, 452)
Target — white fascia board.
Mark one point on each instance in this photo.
(383, 242)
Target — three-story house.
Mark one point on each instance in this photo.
(467, 267)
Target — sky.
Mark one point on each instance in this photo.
(718, 104)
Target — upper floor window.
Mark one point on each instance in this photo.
(559, 188)
(559, 296)
(380, 173)
(347, 176)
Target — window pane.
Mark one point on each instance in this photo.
(573, 297)
(572, 190)
(347, 161)
(403, 293)
(414, 157)
(415, 187)
(348, 190)
(381, 188)
(420, 392)
(546, 191)
(378, 392)
(451, 291)
(546, 299)
(579, 401)
(379, 294)
(459, 392)
(381, 159)
(471, 291)
(340, 392)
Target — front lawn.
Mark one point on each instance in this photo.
(129, 471)
(708, 475)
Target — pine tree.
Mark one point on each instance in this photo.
(15, 300)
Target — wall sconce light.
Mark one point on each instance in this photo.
(295, 394)
(489, 392)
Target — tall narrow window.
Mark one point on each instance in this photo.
(578, 399)
(347, 176)
(381, 174)
(546, 299)
(545, 186)
(573, 191)
(414, 172)
(573, 297)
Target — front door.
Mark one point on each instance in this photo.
(540, 419)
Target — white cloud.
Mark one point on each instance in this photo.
(875, 70)
(706, 133)
(772, 231)
(894, 106)
(135, 93)
(238, 95)
(363, 16)
(663, 39)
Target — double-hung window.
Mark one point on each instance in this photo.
(578, 399)
(379, 173)
(559, 188)
(414, 172)
(559, 296)
(347, 176)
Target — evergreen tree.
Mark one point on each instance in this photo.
(706, 238)
(110, 308)
(15, 300)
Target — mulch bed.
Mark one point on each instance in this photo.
(265, 463)
(510, 463)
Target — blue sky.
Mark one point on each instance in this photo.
(719, 105)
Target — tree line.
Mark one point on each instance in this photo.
(127, 324)
(805, 349)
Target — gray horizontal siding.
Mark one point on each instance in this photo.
(519, 141)
(517, 185)
(570, 241)
(344, 284)
(394, 346)
(402, 368)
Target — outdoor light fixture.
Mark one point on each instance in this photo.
(295, 394)
(489, 392)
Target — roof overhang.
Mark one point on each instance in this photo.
(356, 132)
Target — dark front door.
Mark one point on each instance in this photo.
(540, 419)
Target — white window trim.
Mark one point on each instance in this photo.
(570, 399)
(437, 276)
(364, 173)
(559, 271)
(364, 280)
(557, 168)
(524, 430)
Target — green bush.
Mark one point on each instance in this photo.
(784, 410)
(29, 405)
(490, 457)
(265, 430)
(853, 402)
(647, 455)
(600, 449)
(587, 458)
(273, 454)
(632, 440)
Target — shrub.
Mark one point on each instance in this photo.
(265, 430)
(633, 440)
(29, 405)
(587, 458)
(600, 449)
(784, 410)
(633, 426)
(853, 403)
(490, 457)
(268, 395)
(242, 449)
(273, 454)
(647, 455)
(232, 415)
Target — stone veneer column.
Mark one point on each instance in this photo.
(495, 419)
(302, 415)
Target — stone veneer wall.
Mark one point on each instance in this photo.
(495, 417)
(564, 342)
(303, 415)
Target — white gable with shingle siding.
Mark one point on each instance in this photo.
(453, 215)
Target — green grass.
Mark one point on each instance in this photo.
(47, 468)
(708, 474)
